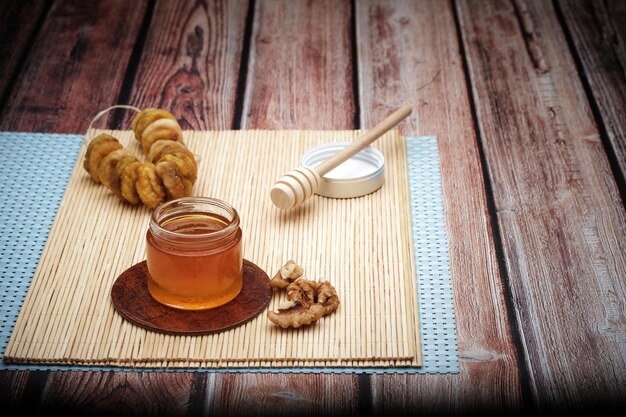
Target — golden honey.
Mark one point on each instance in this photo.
(194, 253)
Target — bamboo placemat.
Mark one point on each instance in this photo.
(363, 246)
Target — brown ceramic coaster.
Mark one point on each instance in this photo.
(133, 301)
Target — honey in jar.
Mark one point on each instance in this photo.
(194, 253)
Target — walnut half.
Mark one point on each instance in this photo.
(286, 275)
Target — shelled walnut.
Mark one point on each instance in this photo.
(308, 300)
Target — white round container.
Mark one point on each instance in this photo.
(360, 175)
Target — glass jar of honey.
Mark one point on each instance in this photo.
(194, 253)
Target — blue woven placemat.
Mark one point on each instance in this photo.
(32, 184)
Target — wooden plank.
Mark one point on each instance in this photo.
(281, 394)
(191, 60)
(598, 30)
(114, 393)
(76, 66)
(561, 220)
(408, 54)
(212, 35)
(14, 389)
(300, 72)
(19, 20)
(192, 393)
(299, 76)
(119, 393)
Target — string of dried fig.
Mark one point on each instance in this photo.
(308, 302)
(170, 172)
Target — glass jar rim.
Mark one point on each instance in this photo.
(160, 211)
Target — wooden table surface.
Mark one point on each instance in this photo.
(527, 98)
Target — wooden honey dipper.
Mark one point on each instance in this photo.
(298, 185)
